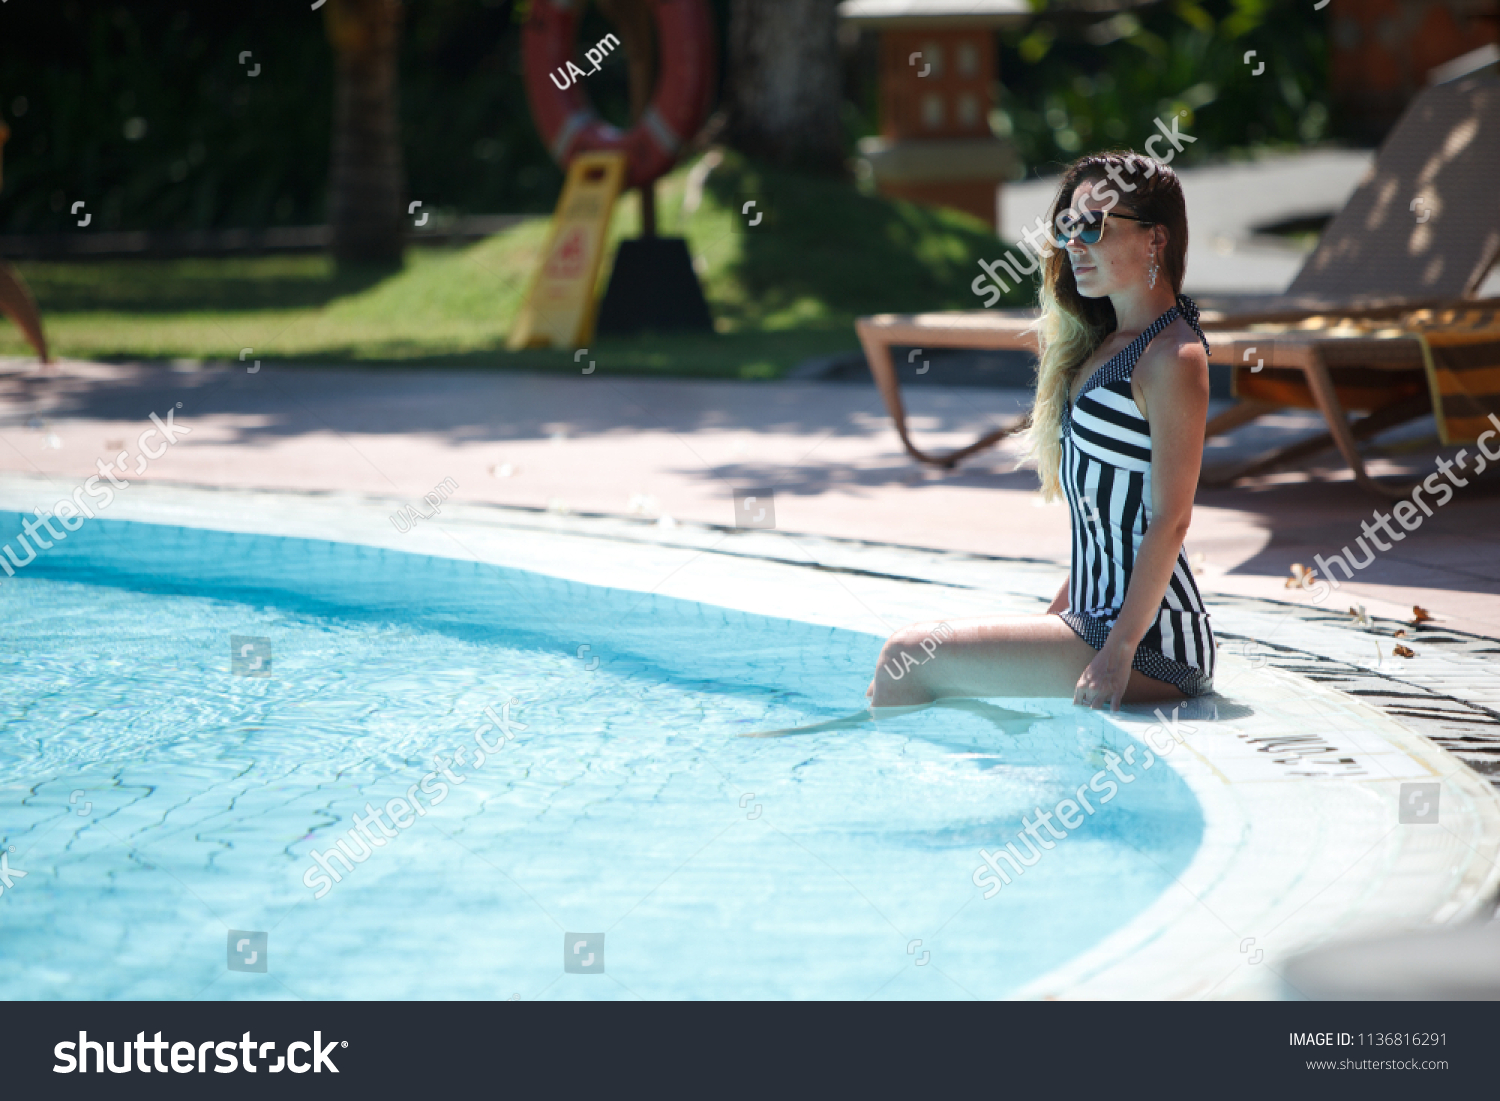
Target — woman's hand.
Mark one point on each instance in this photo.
(1104, 680)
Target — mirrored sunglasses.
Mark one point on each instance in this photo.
(1090, 233)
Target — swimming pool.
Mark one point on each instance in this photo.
(157, 799)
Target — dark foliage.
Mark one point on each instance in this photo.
(1074, 85)
(145, 112)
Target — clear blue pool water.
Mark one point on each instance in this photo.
(156, 800)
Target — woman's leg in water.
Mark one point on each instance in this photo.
(1036, 655)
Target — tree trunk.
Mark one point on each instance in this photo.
(783, 87)
(366, 180)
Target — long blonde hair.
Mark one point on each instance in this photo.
(1072, 327)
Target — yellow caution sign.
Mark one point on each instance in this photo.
(560, 304)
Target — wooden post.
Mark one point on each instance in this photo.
(648, 209)
(632, 18)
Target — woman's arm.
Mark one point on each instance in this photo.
(1060, 601)
(1174, 389)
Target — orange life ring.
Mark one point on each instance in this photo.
(567, 120)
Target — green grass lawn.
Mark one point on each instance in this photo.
(784, 290)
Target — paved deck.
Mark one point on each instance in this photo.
(626, 446)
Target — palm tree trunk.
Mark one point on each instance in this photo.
(783, 88)
(366, 180)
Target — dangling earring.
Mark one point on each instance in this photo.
(1151, 271)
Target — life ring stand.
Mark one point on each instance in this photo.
(567, 120)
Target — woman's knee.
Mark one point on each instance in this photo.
(898, 674)
(909, 648)
(919, 638)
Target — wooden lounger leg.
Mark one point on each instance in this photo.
(878, 355)
(1334, 414)
(1375, 423)
(1241, 413)
(18, 305)
(1237, 415)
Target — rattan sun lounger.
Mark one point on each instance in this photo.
(1419, 234)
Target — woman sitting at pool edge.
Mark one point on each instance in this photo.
(1117, 430)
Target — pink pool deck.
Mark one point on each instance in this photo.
(680, 449)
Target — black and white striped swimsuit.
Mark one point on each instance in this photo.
(1106, 476)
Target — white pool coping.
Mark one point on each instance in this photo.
(1287, 861)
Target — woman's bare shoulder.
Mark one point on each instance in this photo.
(1175, 358)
